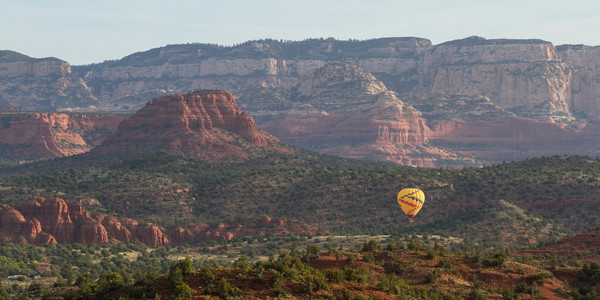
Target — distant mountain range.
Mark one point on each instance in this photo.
(460, 103)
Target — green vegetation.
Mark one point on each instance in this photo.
(292, 273)
(338, 195)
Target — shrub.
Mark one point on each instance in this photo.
(350, 258)
(392, 284)
(590, 273)
(242, 264)
(225, 288)
(207, 275)
(433, 276)
(371, 245)
(108, 281)
(397, 267)
(335, 275)
(498, 260)
(444, 263)
(312, 252)
(349, 274)
(182, 291)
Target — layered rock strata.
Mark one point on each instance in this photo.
(204, 124)
(42, 84)
(43, 221)
(526, 79)
(50, 135)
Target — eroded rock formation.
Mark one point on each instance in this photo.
(49, 135)
(42, 84)
(278, 84)
(41, 221)
(203, 124)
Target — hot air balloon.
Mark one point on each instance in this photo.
(411, 201)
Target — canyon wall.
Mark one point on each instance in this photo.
(49, 135)
(274, 82)
(531, 78)
(42, 84)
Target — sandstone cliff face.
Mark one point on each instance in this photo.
(50, 135)
(273, 82)
(41, 84)
(203, 124)
(367, 125)
(42, 221)
(526, 77)
(192, 67)
(585, 85)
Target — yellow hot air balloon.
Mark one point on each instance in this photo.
(411, 201)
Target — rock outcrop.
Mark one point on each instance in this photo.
(56, 220)
(523, 76)
(339, 109)
(42, 84)
(42, 221)
(50, 135)
(531, 78)
(204, 124)
(275, 83)
(585, 83)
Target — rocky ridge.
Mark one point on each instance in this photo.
(532, 78)
(204, 124)
(49, 135)
(42, 221)
(550, 91)
(339, 109)
(42, 84)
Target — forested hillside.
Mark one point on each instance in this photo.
(522, 202)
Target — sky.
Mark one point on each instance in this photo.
(92, 31)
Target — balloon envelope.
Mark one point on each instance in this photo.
(411, 201)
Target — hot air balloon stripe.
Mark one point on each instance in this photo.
(411, 196)
(408, 203)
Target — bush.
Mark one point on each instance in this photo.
(225, 288)
(335, 275)
(417, 245)
(183, 291)
(392, 284)
(186, 266)
(108, 281)
(350, 258)
(498, 260)
(444, 263)
(349, 274)
(242, 264)
(207, 275)
(433, 276)
(315, 283)
(371, 245)
(369, 258)
(590, 274)
(397, 267)
(312, 252)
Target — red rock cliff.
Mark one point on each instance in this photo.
(41, 221)
(50, 135)
(204, 124)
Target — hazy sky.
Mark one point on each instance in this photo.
(88, 31)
